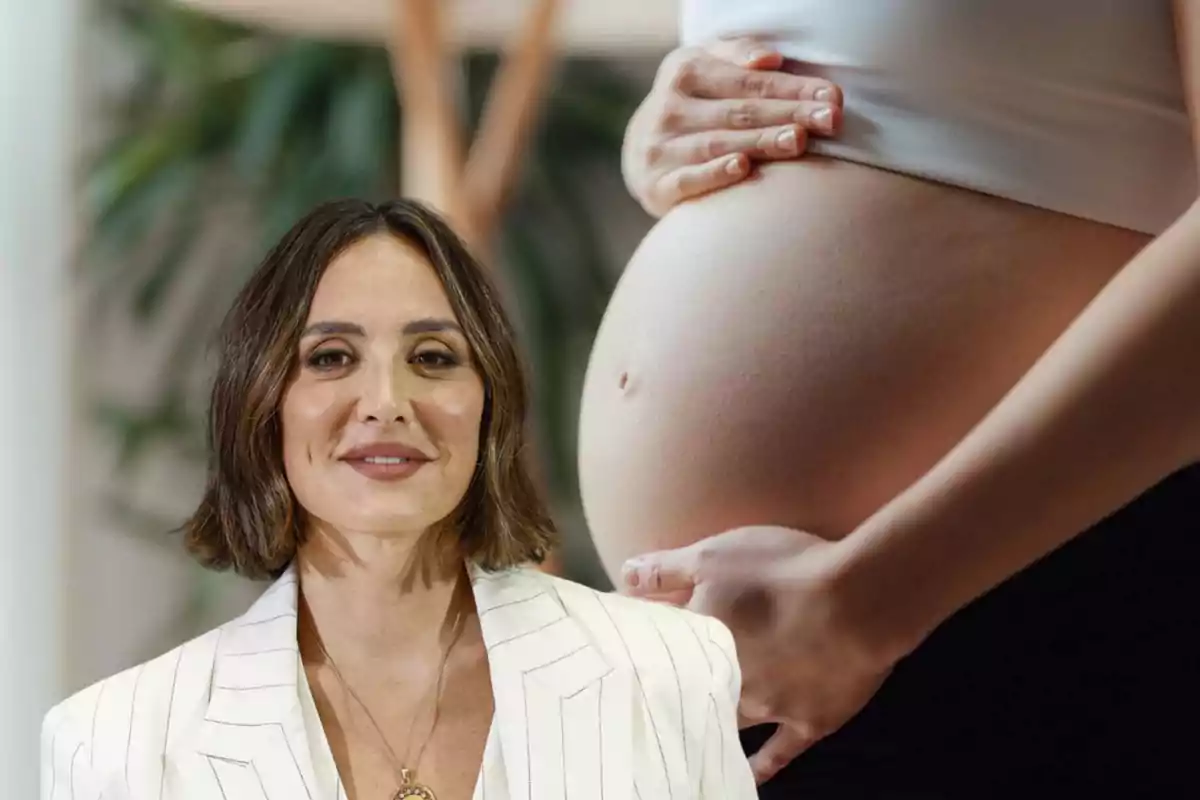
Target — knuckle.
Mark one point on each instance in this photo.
(684, 77)
(678, 67)
(653, 154)
(754, 84)
(714, 147)
(672, 114)
(742, 115)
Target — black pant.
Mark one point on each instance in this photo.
(1079, 674)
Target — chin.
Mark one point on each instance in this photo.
(395, 527)
(389, 523)
(388, 511)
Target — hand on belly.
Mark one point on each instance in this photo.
(805, 665)
(798, 350)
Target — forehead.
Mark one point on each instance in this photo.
(380, 275)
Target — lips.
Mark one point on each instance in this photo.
(385, 450)
(385, 461)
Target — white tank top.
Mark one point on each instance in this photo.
(1072, 105)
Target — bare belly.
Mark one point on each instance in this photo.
(799, 349)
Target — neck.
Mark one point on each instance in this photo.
(367, 597)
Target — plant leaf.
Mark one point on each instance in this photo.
(274, 101)
(362, 129)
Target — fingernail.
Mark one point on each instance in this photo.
(629, 574)
(823, 117)
(734, 165)
(786, 140)
(824, 95)
(759, 55)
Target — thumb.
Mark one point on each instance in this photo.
(663, 573)
(779, 751)
(746, 51)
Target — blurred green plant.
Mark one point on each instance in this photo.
(221, 117)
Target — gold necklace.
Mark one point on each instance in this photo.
(409, 788)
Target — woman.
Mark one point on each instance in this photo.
(367, 424)
(888, 387)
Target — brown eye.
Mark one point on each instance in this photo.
(435, 359)
(330, 359)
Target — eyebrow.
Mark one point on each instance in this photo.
(425, 325)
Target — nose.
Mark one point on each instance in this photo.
(386, 397)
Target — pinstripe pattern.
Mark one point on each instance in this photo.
(597, 697)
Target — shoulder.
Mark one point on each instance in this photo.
(116, 721)
(665, 645)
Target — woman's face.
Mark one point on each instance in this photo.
(381, 420)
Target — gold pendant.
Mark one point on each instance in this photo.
(415, 791)
(408, 789)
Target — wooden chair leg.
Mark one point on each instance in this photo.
(431, 135)
(495, 156)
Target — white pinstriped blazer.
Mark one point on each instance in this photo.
(597, 697)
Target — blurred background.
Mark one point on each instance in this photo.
(150, 150)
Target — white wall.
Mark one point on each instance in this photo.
(36, 224)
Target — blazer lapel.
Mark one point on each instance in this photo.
(251, 742)
(564, 714)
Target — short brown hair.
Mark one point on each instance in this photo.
(249, 519)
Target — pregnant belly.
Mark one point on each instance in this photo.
(798, 349)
